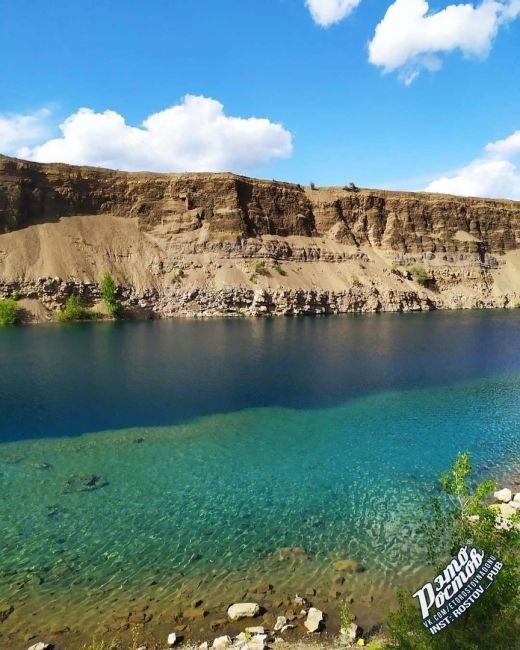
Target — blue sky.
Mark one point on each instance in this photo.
(344, 117)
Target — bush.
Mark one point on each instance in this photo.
(279, 270)
(74, 311)
(458, 517)
(9, 312)
(260, 268)
(419, 274)
(351, 187)
(108, 292)
(177, 276)
(313, 186)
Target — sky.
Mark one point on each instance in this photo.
(400, 94)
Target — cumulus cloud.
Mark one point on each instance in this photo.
(328, 12)
(195, 135)
(496, 174)
(410, 38)
(18, 130)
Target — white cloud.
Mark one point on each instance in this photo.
(410, 37)
(495, 175)
(18, 130)
(328, 12)
(195, 135)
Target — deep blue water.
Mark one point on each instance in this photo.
(72, 379)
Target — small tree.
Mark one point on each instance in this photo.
(463, 516)
(108, 292)
(312, 185)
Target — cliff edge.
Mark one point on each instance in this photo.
(208, 244)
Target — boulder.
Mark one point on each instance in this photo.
(194, 613)
(203, 646)
(5, 612)
(291, 553)
(503, 495)
(349, 566)
(221, 642)
(243, 610)
(350, 633)
(172, 639)
(314, 620)
(506, 509)
(517, 497)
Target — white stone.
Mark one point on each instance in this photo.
(258, 642)
(40, 646)
(172, 639)
(243, 610)
(517, 497)
(203, 646)
(289, 626)
(473, 519)
(503, 495)
(314, 619)
(350, 633)
(514, 504)
(221, 642)
(506, 509)
(280, 622)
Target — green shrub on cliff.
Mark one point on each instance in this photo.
(9, 311)
(260, 268)
(74, 311)
(108, 292)
(459, 517)
(278, 269)
(419, 274)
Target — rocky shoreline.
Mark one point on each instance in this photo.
(51, 294)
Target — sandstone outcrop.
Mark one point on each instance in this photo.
(219, 244)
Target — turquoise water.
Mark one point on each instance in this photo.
(360, 424)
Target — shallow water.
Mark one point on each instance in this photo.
(221, 442)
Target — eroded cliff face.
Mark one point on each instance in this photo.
(203, 244)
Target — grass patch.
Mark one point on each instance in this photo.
(9, 311)
(74, 311)
(279, 270)
(260, 268)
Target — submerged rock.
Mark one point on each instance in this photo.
(84, 483)
(291, 553)
(243, 610)
(5, 612)
(350, 566)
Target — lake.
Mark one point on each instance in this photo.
(145, 465)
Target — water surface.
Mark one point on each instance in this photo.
(218, 443)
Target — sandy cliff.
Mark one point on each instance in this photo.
(190, 244)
